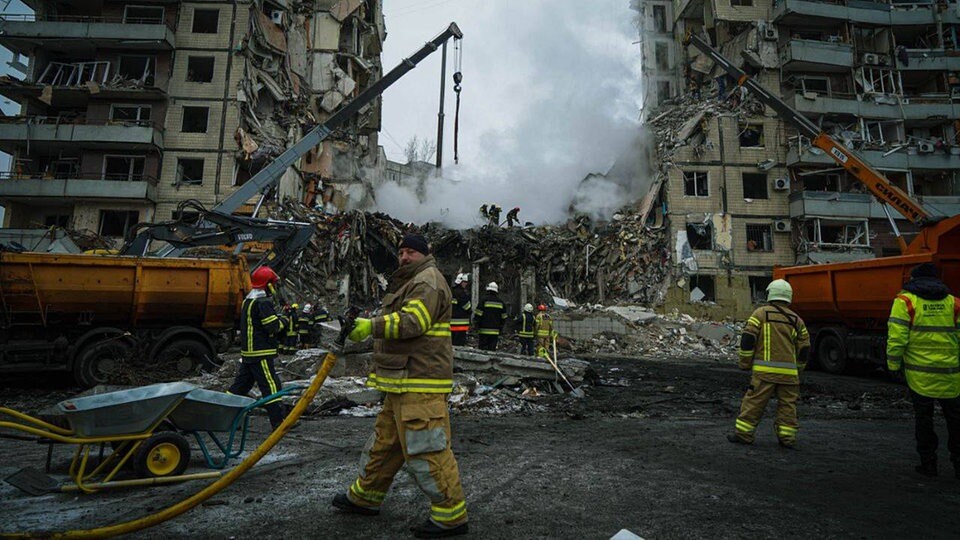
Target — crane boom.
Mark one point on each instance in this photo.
(871, 178)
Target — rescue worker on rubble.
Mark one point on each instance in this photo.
(291, 317)
(494, 213)
(461, 306)
(305, 327)
(413, 359)
(774, 346)
(320, 316)
(513, 216)
(922, 340)
(526, 323)
(544, 332)
(485, 212)
(260, 327)
(490, 316)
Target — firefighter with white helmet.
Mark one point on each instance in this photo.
(490, 314)
(460, 317)
(526, 324)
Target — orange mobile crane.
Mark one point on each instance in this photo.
(846, 305)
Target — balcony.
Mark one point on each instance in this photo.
(812, 13)
(832, 204)
(811, 55)
(70, 85)
(48, 132)
(82, 35)
(906, 158)
(906, 108)
(77, 187)
(930, 60)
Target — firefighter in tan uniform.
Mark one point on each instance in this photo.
(413, 357)
(774, 346)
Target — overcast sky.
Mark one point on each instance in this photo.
(551, 92)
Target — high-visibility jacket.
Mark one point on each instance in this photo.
(544, 326)
(527, 323)
(461, 306)
(292, 321)
(922, 339)
(774, 344)
(320, 316)
(259, 327)
(490, 314)
(305, 322)
(412, 349)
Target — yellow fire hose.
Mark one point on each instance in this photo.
(209, 491)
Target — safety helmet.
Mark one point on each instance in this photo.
(541, 307)
(307, 307)
(779, 289)
(295, 305)
(528, 308)
(492, 286)
(461, 278)
(263, 276)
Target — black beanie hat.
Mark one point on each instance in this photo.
(925, 270)
(416, 243)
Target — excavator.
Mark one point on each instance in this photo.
(846, 305)
(87, 314)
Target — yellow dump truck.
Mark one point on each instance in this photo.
(91, 314)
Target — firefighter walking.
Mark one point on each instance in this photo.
(490, 316)
(260, 327)
(922, 341)
(526, 324)
(544, 331)
(460, 317)
(413, 357)
(774, 347)
(291, 318)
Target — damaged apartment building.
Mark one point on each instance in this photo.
(129, 107)
(745, 192)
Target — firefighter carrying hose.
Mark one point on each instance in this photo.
(260, 327)
(774, 346)
(413, 358)
(922, 340)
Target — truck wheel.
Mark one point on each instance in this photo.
(98, 363)
(166, 453)
(831, 354)
(185, 357)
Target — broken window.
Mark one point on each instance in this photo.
(205, 21)
(189, 171)
(664, 92)
(759, 237)
(136, 68)
(820, 181)
(660, 18)
(882, 132)
(123, 168)
(750, 135)
(815, 85)
(661, 53)
(136, 114)
(754, 186)
(758, 288)
(837, 233)
(703, 288)
(117, 222)
(200, 69)
(142, 15)
(695, 183)
(742, 3)
(195, 119)
(700, 235)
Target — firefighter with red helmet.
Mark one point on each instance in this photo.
(545, 333)
(260, 328)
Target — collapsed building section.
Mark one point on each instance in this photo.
(744, 191)
(128, 109)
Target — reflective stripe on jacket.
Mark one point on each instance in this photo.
(922, 339)
(412, 350)
(259, 326)
(527, 324)
(490, 314)
(780, 335)
(544, 326)
(461, 306)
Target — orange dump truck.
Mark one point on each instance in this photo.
(846, 305)
(87, 314)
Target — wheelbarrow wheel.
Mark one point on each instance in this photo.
(164, 454)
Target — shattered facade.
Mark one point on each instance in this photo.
(745, 192)
(128, 108)
(659, 51)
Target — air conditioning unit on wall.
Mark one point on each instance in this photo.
(277, 17)
(925, 147)
(781, 184)
(781, 225)
(871, 59)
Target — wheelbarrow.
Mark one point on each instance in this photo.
(146, 427)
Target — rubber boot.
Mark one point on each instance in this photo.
(432, 530)
(735, 440)
(344, 503)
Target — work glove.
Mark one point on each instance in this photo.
(362, 328)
